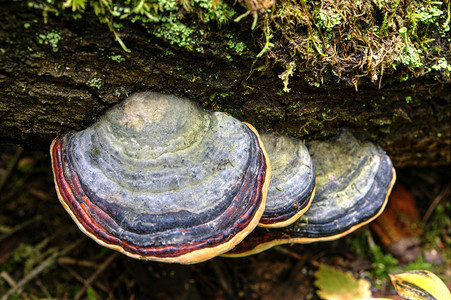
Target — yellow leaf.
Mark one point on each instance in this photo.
(420, 285)
(334, 284)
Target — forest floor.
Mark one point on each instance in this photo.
(44, 255)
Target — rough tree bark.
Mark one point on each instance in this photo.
(57, 74)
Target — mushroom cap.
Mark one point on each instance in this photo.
(354, 181)
(158, 178)
(292, 183)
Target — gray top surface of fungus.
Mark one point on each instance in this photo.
(352, 182)
(158, 154)
(292, 172)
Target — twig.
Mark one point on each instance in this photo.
(35, 272)
(74, 274)
(76, 262)
(49, 261)
(96, 274)
(444, 194)
(370, 240)
(43, 289)
(289, 252)
(5, 275)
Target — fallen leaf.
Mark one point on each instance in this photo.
(334, 284)
(420, 285)
(398, 226)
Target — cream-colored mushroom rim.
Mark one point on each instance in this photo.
(295, 217)
(194, 256)
(264, 246)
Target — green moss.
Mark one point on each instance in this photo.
(95, 83)
(117, 58)
(120, 92)
(76, 5)
(237, 46)
(50, 38)
(215, 11)
(166, 17)
(168, 52)
(90, 292)
(176, 32)
(328, 19)
(405, 77)
(296, 105)
(328, 32)
(443, 66)
(428, 14)
(167, 22)
(382, 265)
(76, 16)
(311, 37)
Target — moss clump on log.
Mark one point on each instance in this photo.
(351, 39)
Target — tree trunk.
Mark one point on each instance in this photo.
(59, 74)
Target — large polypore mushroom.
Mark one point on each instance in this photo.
(292, 180)
(354, 181)
(158, 178)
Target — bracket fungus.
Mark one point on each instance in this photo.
(158, 178)
(354, 181)
(292, 180)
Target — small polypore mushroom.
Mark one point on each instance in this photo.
(354, 181)
(158, 178)
(292, 183)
